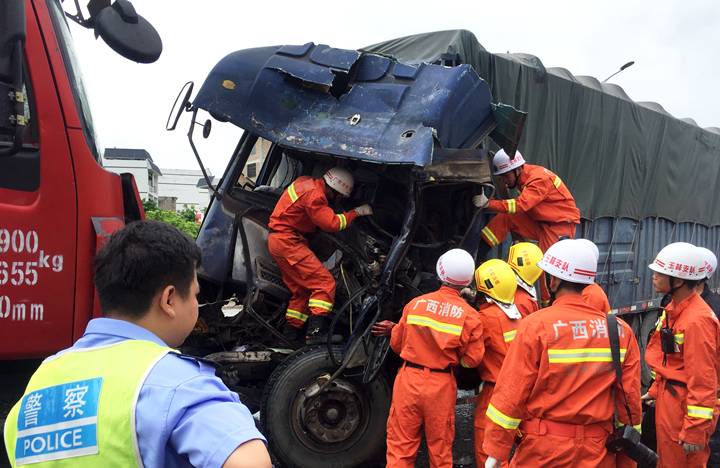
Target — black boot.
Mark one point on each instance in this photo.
(317, 330)
(294, 335)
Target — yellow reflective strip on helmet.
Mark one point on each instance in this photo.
(501, 419)
(318, 304)
(438, 326)
(680, 338)
(557, 182)
(509, 336)
(511, 206)
(700, 412)
(490, 236)
(573, 356)
(343, 221)
(296, 315)
(292, 193)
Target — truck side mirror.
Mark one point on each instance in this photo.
(128, 33)
(12, 98)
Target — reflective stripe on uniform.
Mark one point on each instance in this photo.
(343, 221)
(701, 412)
(292, 193)
(511, 206)
(296, 315)
(318, 304)
(509, 336)
(680, 338)
(557, 182)
(572, 356)
(441, 327)
(501, 419)
(490, 236)
(652, 373)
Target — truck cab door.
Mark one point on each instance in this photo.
(38, 219)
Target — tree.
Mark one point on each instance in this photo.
(185, 220)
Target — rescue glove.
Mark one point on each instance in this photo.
(383, 328)
(480, 201)
(364, 210)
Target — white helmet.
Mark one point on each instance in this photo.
(710, 261)
(340, 179)
(456, 267)
(570, 260)
(502, 162)
(680, 260)
(592, 245)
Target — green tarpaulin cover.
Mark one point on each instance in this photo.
(620, 158)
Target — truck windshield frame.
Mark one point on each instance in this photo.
(72, 65)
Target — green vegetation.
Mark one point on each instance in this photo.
(183, 220)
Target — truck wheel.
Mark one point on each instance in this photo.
(344, 426)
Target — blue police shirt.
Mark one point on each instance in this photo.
(185, 415)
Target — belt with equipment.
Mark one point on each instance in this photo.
(418, 366)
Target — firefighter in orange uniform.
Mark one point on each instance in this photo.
(303, 207)
(684, 353)
(557, 384)
(500, 318)
(437, 331)
(523, 258)
(545, 211)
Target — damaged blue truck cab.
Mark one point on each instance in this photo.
(416, 138)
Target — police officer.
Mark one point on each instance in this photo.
(121, 396)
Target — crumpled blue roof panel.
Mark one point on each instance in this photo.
(349, 103)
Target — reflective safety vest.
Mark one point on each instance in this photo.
(78, 409)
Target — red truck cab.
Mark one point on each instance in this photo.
(57, 203)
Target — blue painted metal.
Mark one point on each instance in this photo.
(348, 103)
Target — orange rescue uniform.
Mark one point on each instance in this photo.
(557, 385)
(301, 209)
(686, 406)
(498, 332)
(544, 211)
(437, 331)
(594, 295)
(525, 303)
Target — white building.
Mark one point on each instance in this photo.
(137, 162)
(187, 186)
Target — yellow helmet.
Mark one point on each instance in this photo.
(496, 279)
(523, 259)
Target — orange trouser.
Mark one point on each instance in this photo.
(670, 411)
(546, 234)
(311, 284)
(544, 446)
(421, 399)
(480, 420)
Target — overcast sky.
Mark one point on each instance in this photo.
(674, 44)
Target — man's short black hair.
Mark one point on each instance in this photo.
(575, 287)
(140, 260)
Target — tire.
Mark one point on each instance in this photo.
(344, 426)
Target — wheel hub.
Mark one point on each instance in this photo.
(332, 416)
